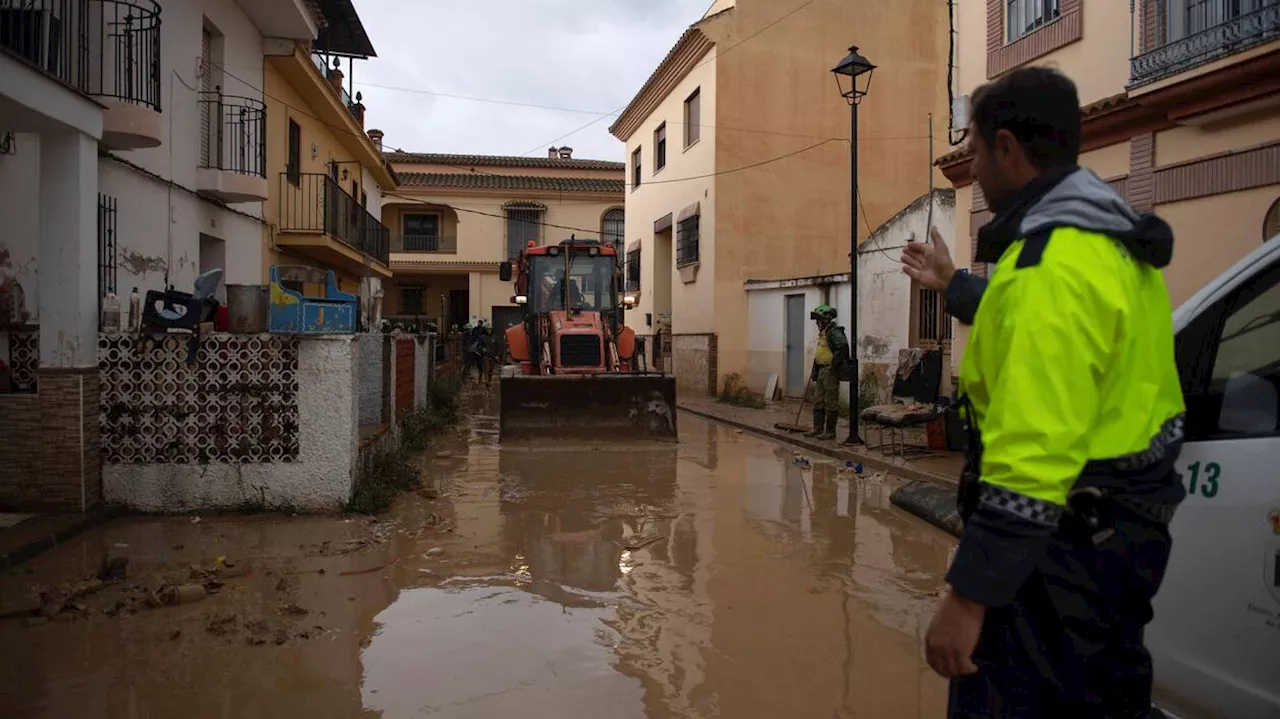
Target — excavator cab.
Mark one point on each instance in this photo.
(579, 362)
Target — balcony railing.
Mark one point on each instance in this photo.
(233, 134)
(316, 203)
(354, 106)
(107, 48)
(428, 243)
(1226, 38)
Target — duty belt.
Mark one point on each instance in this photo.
(1098, 491)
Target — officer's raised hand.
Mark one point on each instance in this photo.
(929, 263)
(953, 636)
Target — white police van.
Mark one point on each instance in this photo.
(1215, 638)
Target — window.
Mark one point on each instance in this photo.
(635, 169)
(1025, 16)
(1188, 17)
(1271, 223)
(633, 270)
(293, 166)
(1229, 359)
(412, 299)
(693, 117)
(612, 228)
(364, 200)
(687, 241)
(660, 147)
(421, 232)
(524, 223)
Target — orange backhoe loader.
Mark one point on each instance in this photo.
(579, 372)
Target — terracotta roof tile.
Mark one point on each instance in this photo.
(510, 182)
(503, 161)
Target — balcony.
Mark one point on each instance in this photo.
(335, 76)
(109, 49)
(233, 148)
(322, 221)
(429, 244)
(1228, 35)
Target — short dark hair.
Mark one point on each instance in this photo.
(1040, 107)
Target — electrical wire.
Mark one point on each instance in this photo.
(719, 53)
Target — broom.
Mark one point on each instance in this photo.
(796, 427)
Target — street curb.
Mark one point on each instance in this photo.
(840, 454)
(931, 503)
(35, 548)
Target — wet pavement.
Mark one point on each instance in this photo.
(713, 578)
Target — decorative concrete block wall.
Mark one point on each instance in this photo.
(259, 421)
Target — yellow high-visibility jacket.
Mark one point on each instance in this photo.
(1069, 367)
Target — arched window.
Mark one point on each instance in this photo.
(1271, 223)
(612, 227)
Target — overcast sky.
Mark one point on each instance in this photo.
(590, 55)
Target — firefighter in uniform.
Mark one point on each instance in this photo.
(1074, 411)
(829, 361)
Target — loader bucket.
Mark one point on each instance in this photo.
(604, 406)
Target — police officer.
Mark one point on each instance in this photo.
(829, 360)
(1075, 416)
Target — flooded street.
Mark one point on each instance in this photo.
(713, 578)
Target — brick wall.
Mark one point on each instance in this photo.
(49, 449)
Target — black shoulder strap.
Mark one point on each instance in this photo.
(1033, 248)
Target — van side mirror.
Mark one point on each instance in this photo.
(504, 271)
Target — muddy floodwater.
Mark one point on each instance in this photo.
(713, 578)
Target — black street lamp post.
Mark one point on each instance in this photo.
(853, 77)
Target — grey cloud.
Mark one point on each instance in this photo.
(580, 54)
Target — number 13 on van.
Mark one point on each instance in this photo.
(1202, 478)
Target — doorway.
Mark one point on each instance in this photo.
(663, 267)
(459, 308)
(794, 338)
(504, 317)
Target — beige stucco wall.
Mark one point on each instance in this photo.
(1099, 62)
(791, 217)
(1190, 142)
(1108, 162)
(481, 232)
(1211, 234)
(284, 103)
(682, 182)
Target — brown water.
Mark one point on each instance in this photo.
(713, 578)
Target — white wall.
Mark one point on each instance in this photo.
(20, 223)
(158, 225)
(320, 480)
(884, 293)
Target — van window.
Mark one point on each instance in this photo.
(1229, 358)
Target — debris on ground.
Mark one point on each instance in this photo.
(638, 543)
(435, 551)
(113, 568)
(293, 610)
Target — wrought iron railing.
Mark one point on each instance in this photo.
(355, 105)
(233, 133)
(107, 264)
(316, 203)
(429, 243)
(108, 48)
(1227, 38)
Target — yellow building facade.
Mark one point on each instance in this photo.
(456, 218)
(1180, 110)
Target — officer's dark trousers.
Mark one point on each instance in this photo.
(1070, 644)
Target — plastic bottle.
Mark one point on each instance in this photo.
(135, 311)
(110, 313)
